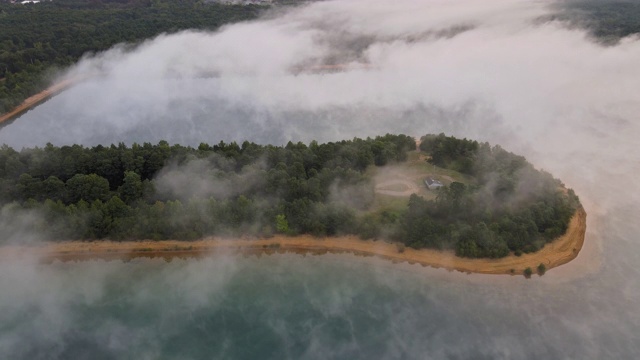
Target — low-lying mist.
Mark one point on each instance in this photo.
(287, 307)
(505, 75)
(496, 70)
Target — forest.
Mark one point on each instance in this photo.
(163, 191)
(511, 206)
(606, 21)
(38, 39)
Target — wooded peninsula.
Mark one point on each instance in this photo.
(491, 203)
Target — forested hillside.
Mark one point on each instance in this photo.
(36, 39)
(175, 192)
(607, 21)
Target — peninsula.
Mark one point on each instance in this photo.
(451, 203)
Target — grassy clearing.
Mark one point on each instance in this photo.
(414, 171)
(397, 177)
(394, 187)
(417, 163)
(388, 202)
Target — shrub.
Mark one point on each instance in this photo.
(527, 272)
(400, 247)
(541, 269)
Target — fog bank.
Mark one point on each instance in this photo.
(492, 70)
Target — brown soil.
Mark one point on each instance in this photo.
(397, 187)
(556, 253)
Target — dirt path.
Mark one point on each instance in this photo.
(383, 187)
(37, 99)
(556, 253)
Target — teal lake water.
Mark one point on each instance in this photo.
(294, 307)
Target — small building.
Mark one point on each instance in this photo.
(433, 184)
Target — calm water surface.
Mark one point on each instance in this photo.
(566, 103)
(313, 307)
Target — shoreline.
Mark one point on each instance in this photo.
(35, 100)
(62, 85)
(558, 252)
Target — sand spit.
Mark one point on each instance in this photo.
(558, 252)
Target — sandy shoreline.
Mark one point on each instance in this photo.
(560, 251)
(36, 100)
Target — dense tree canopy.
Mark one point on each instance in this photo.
(510, 207)
(607, 21)
(225, 188)
(170, 191)
(37, 38)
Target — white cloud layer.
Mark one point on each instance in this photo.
(489, 70)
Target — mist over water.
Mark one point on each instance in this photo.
(491, 71)
(292, 307)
